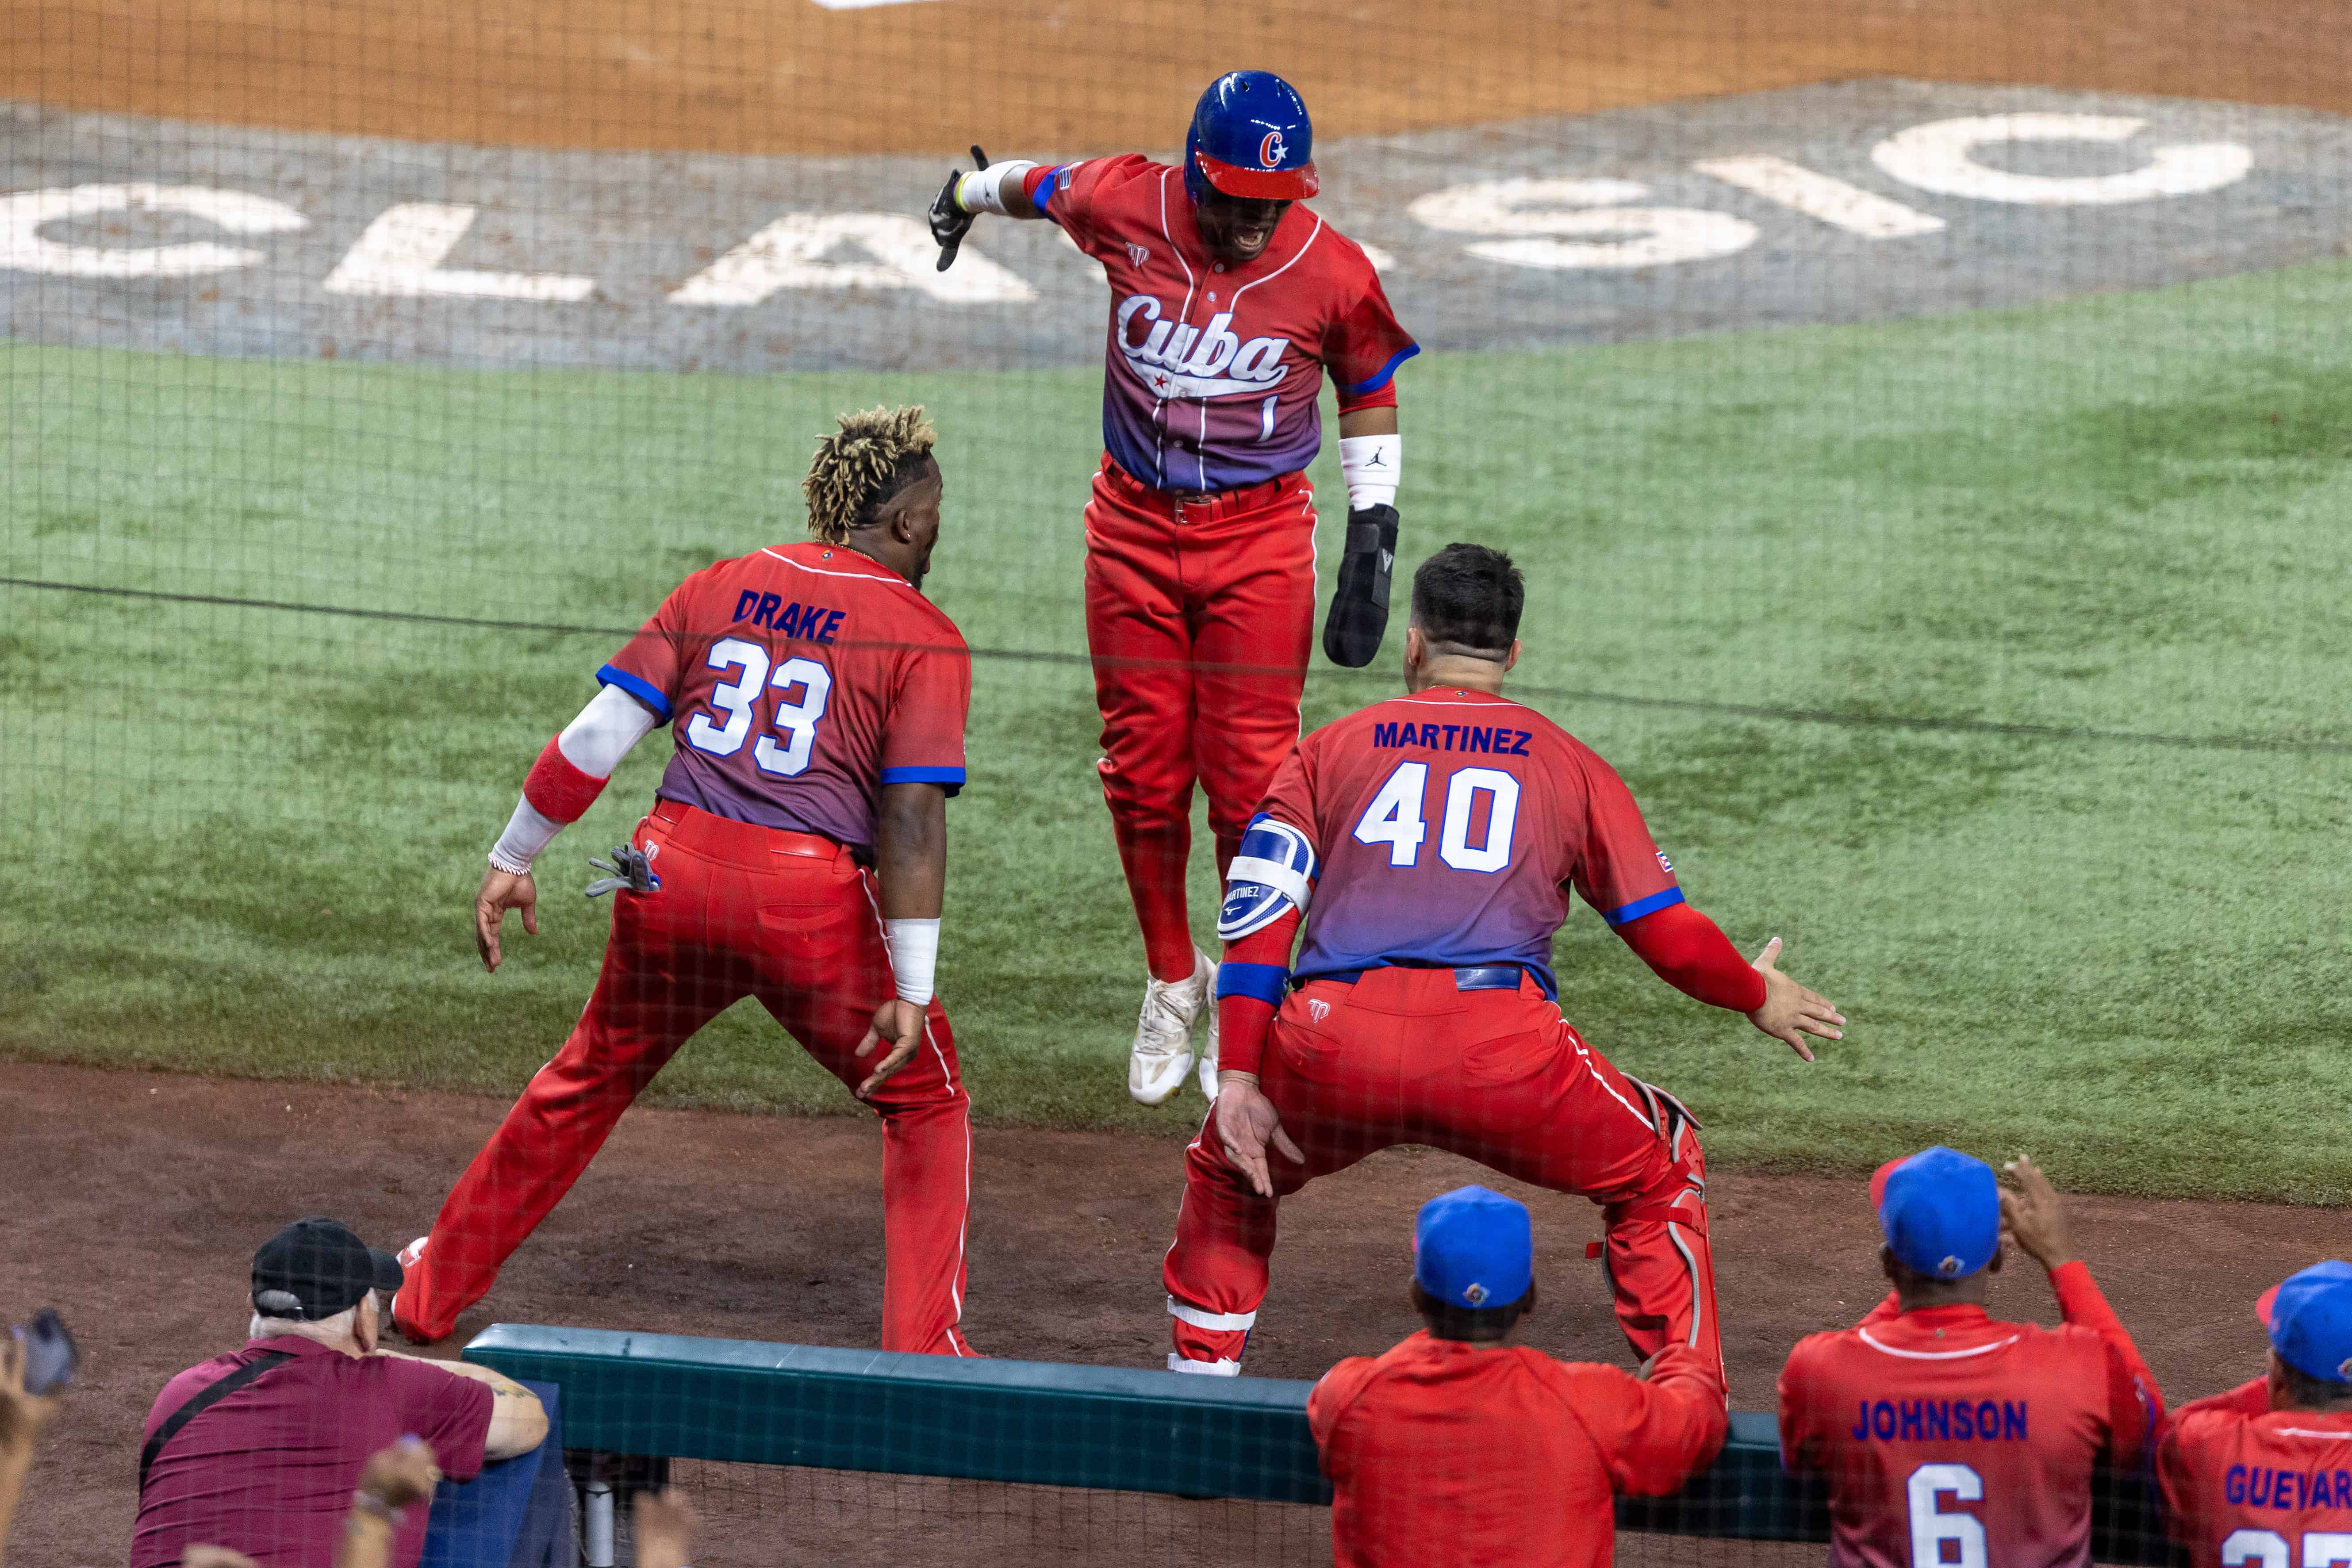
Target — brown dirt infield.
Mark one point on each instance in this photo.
(134, 1202)
(1045, 76)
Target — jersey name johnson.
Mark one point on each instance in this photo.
(799, 680)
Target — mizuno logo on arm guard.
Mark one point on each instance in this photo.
(1273, 872)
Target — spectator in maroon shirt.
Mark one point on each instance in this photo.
(267, 1463)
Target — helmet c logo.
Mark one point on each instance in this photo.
(1272, 151)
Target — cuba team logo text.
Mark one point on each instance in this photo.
(1178, 361)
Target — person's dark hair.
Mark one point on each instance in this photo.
(1468, 597)
(862, 468)
(2310, 1393)
(1475, 1324)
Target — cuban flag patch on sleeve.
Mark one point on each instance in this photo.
(1273, 872)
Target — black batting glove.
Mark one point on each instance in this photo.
(1360, 607)
(950, 222)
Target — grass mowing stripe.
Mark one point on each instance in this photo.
(247, 844)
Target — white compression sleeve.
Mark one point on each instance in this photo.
(914, 957)
(594, 742)
(528, 832)
(982, 190)
(613, 721)
(1370, 464)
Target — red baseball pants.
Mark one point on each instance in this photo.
(1200, 612)
(1402, 1056)
(788, 918)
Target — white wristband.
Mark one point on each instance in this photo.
(1370, 464)
(914, 957)
(982, 190)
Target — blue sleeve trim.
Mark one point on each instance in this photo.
(1263, 981)
(953, 778)
(637, 686)
(1640, 907)
(1046, 189)
(1382, 376)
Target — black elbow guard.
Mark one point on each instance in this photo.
(1359, 606)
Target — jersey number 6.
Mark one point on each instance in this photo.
(1394, 817)
(795, 721)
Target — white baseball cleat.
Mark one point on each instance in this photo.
(1208, 1052)
(1162, 1052)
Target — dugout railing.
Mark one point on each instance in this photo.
(632, 1398)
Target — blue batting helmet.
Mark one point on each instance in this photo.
(1250, 137)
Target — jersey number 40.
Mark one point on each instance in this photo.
(1396, 818)
(738, 699)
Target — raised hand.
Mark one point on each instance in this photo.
(950, 222)
(2036, 1216)
(1790, 1012)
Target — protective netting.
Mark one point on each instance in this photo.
(1920, 434)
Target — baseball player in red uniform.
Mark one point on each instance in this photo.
(1229, 302)
(795, 852)
(1429, 842)
(1945, 1434)
(1457, 1447)
(2261, 1476)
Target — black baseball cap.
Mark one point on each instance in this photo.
(317, 1267)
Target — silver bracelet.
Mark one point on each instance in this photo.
(366, 1502)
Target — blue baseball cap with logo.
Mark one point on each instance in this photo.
(2309, 1316)
(1940, 1210)
(1473, 1247)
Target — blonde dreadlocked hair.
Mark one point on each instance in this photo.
(876, 453)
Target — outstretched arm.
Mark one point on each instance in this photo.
(571, 773)
(1690, 952)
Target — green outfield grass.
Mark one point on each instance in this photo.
(244, 841)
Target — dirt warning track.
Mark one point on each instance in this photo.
(1026, 77)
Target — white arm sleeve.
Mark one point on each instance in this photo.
(611, 723)
(528, 832)
(594, 742)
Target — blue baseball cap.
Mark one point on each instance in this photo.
(1940, 1210)
(2309, 1316)
(1473, 1247)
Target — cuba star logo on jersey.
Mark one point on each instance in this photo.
(1178, 361)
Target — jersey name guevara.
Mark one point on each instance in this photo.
(2249, 1487)
(1213, 369)
(1448, 827)
(798, 681)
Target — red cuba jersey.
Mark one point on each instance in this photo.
(797, 681)
(2249, 1487)
(1447, 827)
(1211, 378)
(1443, 1452)
(1949, 1436)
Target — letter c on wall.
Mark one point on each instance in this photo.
(1941, 157)
(23, 214)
